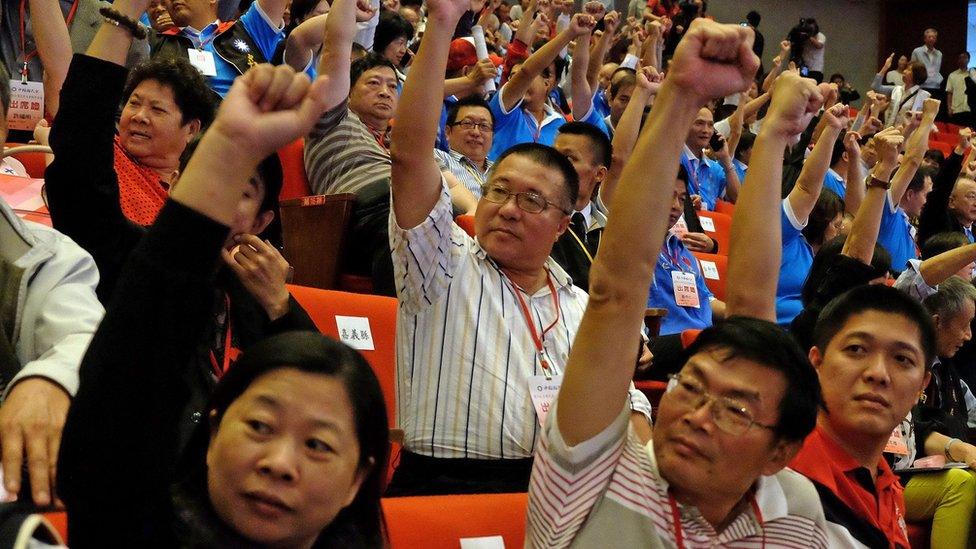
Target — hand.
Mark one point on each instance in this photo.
(852, 146)
(777, 61)
(886, 146)
(481, 72)
(364, 11)
(649, 79)
(541, 24)
(871, 126)
(698, 242)
(268, 108)
(594, 9)
(965, 133)
(451, 10)
(636, 41)
(784, 49)
(646, 357)
(837, 116)
(830, 93)
(930, 108)
(581, 24)
(31, 420)
(722, 153)
(41, 132)
(391, 5)
(795, 100)
(263, 272)
(887, 64)
(696, 201)
(610, 23)
(714, 60)
(563, 6)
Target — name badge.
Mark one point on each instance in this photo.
(680, 228)
(543, 392)
(26, 105)
(203, 61)
(709, 269)
(707, 224)
(685, 289)
(896, 443)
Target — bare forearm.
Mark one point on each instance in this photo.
(938, 268)
(805, 193)
(855, 185)
(582, 94)
(111, 43)
(340, 30)
(864, 231)
(624, 138)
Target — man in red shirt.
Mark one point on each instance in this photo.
(873, 346)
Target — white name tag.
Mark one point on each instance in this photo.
(896, 443)
(544, 392)
(707, 224)
(487, 542)
(680, 228)
(685, 289)
(709, 270)
(26, 105)
(354, 331)
(203, 61)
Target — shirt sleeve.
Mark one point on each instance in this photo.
(426, 257)
(559, 501)
(911, 282)
(503, 118)
(261, 29)
(792, 227)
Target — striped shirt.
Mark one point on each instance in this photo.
(343, 156)
(467, 172)
(464, 352)
(607, 491)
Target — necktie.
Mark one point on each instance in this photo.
(969, 233)
(578, 226)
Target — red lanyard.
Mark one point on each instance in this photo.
(536, 339)
(23, 35)
(230, 354)
(693, 173)
(679, 532)
(674, 258)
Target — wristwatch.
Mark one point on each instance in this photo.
(875, 182)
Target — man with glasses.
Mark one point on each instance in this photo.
(469, 132)
(713, 474)
(485, 324)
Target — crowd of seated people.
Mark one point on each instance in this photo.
(533, 186)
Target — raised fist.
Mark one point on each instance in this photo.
(714, 60)
(795, 101)
(594, 9)
(610, 23)
(837, 116)
(930, 107)
(581, 24)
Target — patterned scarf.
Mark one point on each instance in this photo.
(141, 192)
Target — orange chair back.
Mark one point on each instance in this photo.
(718, 226)
(714, 268)
(724, 207)
(314, 229)
(295, 180)
(943, 147)
(466, 222)
(688, 337)
(324, 305)
(33, 162)
(439, 522)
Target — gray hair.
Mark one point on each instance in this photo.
(949, 300)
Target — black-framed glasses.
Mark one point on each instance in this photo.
(527, 201)
(483, 127)
(729, 415)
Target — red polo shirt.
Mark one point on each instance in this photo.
(880, 506)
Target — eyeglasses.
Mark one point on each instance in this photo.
(729, 415)
(526, 201)
(468, 124)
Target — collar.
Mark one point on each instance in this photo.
(821, 457)
(835, 174)
(551, 115)
(740, 164)
(461, 158)
(586, 212)
(691, 155)
(189, 31)
(559, 275)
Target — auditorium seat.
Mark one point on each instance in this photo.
(943, 147)
(724, 207)
(31, 156)
(314, 230)
(714, 268)
(440, 522)
(295, 180)
(466, 222)
(718, 226)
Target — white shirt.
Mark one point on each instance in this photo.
(956, 85)
(814, 57)
(464, 351)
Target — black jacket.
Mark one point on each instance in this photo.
(935, 216)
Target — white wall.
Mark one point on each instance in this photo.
(851, 27)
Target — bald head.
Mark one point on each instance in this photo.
(962, 201)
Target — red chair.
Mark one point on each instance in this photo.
(59, 520)
(33, 157)
(724, 207)
(944, 148)
(714, 268)
(688, 337)
(466, 222)
(653, 390)
(440, 522)
(718, 226)
(295, 180)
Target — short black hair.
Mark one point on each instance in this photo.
(918, 181)
(825, 258)
(879, 298)
(837, 153)
(391, 26)
(753, 18)
(471, 101)
(367, 62)
(828, 205)
(746, 143)
(548, 157)
(771, 346)
(598, 139)
(940, 243)
(191, 93)
(935, 155)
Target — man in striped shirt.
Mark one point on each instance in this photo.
(713, 474)
(469, 130)
(484, 325)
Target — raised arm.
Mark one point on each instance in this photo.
(805, 193)
(525, 33)
(756, 245)
(582, 93)
(600, 49)
(53, 46)
(625, 135)
(513, 90)
(779, 63)
(878, 84)
(340, 30)
(712, 60)
(416, 179)
(936, 269)
(855, 175)
(915, 147)
(867, 222)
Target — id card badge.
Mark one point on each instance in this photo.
(896, 443)
(543, 392)
(203, 61)
(26, 105)
(680, 227)
(685, 289)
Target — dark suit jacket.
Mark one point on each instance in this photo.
(936, 217)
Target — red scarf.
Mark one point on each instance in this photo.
(141, 192)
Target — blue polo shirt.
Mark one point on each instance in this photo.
(833, 182)
(897, 235)
(600, 104)
(740, 170)
(441, 142)
(517, 126)
(705, 178)
(258, 26)
(662, 296)
(794, 266)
